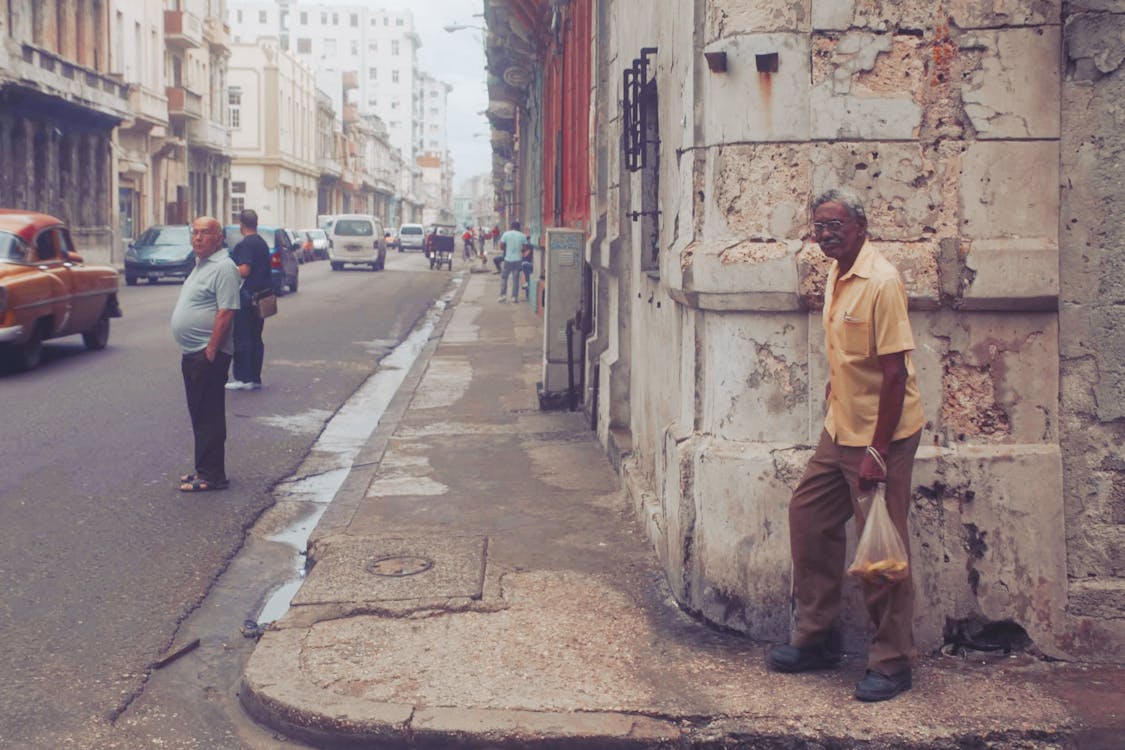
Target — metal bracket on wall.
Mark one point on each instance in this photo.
(639, 91)
(634, 215)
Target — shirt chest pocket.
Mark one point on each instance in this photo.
(857, 337)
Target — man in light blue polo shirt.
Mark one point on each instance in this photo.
(202, 325)
(513, 241)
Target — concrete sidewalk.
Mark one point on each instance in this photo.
(480, 581)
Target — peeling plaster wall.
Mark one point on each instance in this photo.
(1092, 318)
(946, 120)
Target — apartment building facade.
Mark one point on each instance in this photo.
(380, 46)
(59, 104)
(274, 118)
(173, 154)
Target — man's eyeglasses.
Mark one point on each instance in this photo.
(832, 226)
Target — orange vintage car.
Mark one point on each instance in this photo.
(46, 291)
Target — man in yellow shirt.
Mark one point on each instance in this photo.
(874, 420)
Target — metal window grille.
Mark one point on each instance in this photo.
(639, 94)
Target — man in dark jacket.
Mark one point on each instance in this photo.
(252, 256)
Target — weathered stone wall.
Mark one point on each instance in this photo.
(946, 120)
(1092, 315)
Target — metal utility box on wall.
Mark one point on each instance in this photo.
(563, 257)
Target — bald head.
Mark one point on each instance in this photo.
(206, 236)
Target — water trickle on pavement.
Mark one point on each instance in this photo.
(321, 474)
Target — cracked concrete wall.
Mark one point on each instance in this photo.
(1092, 314)
(946, 120)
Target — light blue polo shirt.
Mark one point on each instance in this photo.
(211, 286)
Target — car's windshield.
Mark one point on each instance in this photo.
(316, 234)
(411, 230)
(12, 247)
(166, 236)
(354, 228)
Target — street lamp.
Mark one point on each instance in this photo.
(462, 26)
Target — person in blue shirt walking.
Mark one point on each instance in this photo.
(513, 242)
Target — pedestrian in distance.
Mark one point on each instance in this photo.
(252, 256)
(512, 242)
(201, 324)
(871, 432)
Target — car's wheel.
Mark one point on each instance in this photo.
(29, 354)
(97, 337)
(337, 266)
(130, 280)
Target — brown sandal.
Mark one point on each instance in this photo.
(202, 485)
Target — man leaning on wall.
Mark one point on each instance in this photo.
(874, 420)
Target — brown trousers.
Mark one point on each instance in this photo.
(821, 505)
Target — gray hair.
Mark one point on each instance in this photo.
(843, 196)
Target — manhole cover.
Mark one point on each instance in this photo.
(398, 566)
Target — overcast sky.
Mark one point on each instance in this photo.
(458, 59)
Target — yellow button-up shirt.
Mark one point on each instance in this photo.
(865, 316)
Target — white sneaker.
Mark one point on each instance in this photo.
(237, 385)
(502, 298)
(515, 300)
(253, 386)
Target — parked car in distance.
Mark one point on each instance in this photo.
(357, 239)
(47, 290)
(410, 237)
(317, 240)
(161, 252)
(297, 244)
(284, 269)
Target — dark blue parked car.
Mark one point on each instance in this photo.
(284, 268)
(160, 252)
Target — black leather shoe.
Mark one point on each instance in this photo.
(880, 687)
(790, 658)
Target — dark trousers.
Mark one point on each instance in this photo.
(822, 503)
(498, 261)
(204, 384)
(248, 347)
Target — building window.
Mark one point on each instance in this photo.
(284, 22)
(304, 18)
(237, 203)
(394, 76)
(355, 47)
(335, 19)
(373, 73)
(386, 21)
(398, 21)
(238, 15)
(394, 46)
(262, 15)
(238, 187)
(330, 46)
(285, 41)
(234, 99)
(304, 46)
(323, 19)
(355, 20)
(373, 47)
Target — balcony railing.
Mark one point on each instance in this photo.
(182, 30)
(183, 103)
(66, 80)
(149, 107)
(209, 134)
(216, 33)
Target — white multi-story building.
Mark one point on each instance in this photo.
(380, 46)
(433, 104)
(273, 114)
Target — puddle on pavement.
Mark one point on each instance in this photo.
(320, 475)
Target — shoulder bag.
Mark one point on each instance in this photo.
(264, 303)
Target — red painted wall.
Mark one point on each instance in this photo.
(566, 117)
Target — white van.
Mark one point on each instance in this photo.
(410, 237)
(357, 239)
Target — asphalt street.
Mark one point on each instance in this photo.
(101, 556)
